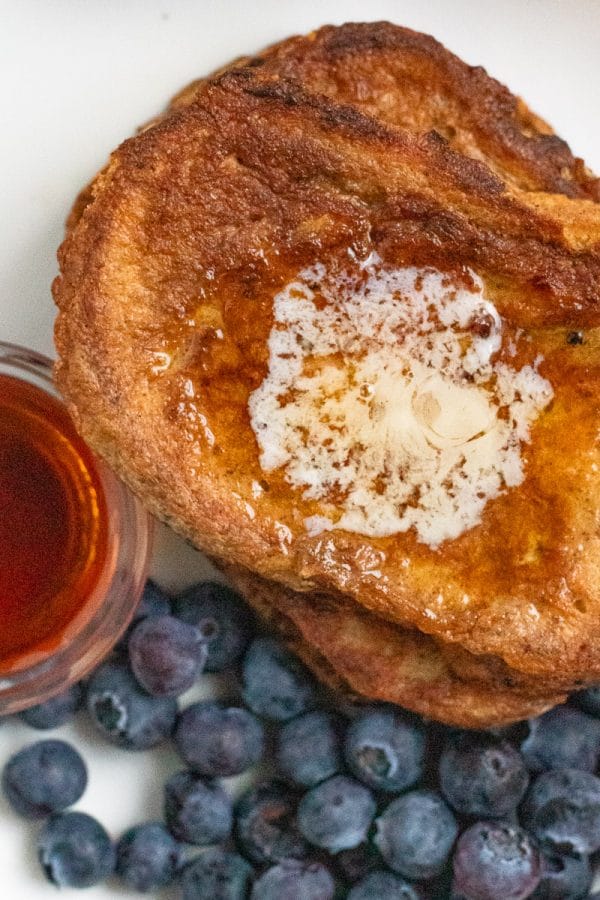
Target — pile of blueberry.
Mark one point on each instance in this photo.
(363, 802)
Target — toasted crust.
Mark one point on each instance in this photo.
(199, 220)
(352, 649)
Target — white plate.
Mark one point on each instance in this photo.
(78, 77)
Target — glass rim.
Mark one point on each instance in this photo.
(119, 590)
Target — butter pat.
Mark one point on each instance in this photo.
(383, 401)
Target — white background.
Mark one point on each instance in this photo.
(76, 78)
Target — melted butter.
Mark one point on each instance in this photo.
(385, 401)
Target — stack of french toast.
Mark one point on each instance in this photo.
(334, 317)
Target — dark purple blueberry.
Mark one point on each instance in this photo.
(124, 713)
(356, 863)
(166, 655)
(197, 812)
(294, 880)
(148, 857)
(482, 776)
(223, 619)
(336, 814)
(493, 860)
(385, 748)
(588, 700)
(383, 885)
(562, 809)
(308, 748)
(217, 740)
(415, 834)
(216, 875)
(266, 828)
(276, 684)
(55, 711)
(74, 850)
(564, 877)
(153, 602)
(563, 738)
(43, 778)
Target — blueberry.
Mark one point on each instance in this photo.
(276, 684)
(482, 776)
(308, 748)
(358, 862)
(55, 711)
(166, 655)
(124, 712)
(43, 778)
(563, 738)
(197, 812)
(383, 885)
(266, 828)
(219, 741)
(493, 860)
(588, 700)
(74, 850)
(223, 619)
(336, 814)
(148, 857)
(563, 877)
(562, 808)
(153, 602)
(415, 834)
(385, 748)
(294, 880)
(216, 875)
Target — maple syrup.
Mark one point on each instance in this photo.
(53, 522)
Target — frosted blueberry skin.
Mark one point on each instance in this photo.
(415, 834)
(195, 811)
(308, 748)
(296, 880)
(224, 620)
(74, 850)
(266, 828)
(382, 885)
(43, 778)
(336, 814)
(55, 711)
(219, 741)
(148, 857)
(385, 749)
(275, 683)
(562, 738)
(562, 809)
(493, 859)
(216, 874)
(124, 713)
(166, 655)
(153, 602)
(482, 776)
(588, 700)
(563, 876)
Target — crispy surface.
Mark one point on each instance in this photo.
(352, 649)
(167, 280)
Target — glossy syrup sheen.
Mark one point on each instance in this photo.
(53, 522)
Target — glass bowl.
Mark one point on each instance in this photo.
(104, 616)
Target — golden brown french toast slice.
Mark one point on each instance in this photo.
(263, 211)
(353, 650)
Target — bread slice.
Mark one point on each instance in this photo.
(166, 293)
(356, 652)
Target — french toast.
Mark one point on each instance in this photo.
(360, 164)
(355, 651)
